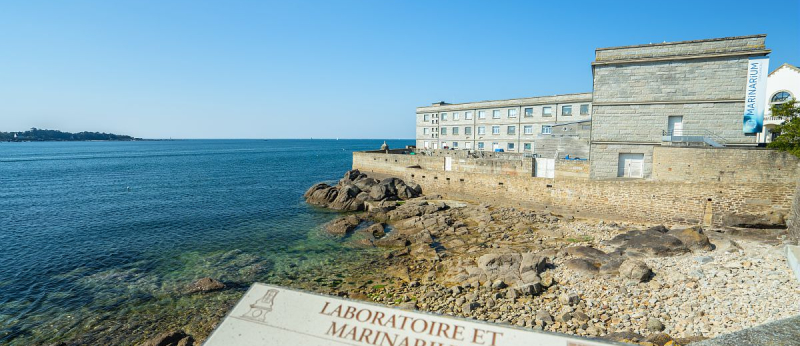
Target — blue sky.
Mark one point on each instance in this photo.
(349, 69)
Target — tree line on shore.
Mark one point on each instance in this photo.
(35, 134)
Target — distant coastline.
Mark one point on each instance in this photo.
(41, 135)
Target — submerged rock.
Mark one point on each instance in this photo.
(171, 338)
(205, 285)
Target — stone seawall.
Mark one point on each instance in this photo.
(720, 203)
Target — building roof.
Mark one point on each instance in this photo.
(527, 101)
(787, 65)
(736, 46)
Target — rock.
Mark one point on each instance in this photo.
(498, 284)
(393, 239)
(408, 306)
(399, 271)
(343, 225)
(581, 265)
(654, 325)
(512, 293)
(629, 337)
(659, 339)
(569, 299)
(727, 246)
(205, 285)
(647, 243)
(172, 338)
(635, 270)
(468, 308)
(544, 317)
(376, 230)
(503, 266)
(693, 238)
(530, 289)
(533, 262)
(612, 266)
(587, 252)
(564, 317)
(580, 316)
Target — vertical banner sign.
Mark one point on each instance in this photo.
(755, 94)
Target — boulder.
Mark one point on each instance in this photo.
(582, 265)
(647, 243)
(343, 225)
(204, 285)
(635, 270)
(532, 261)
(376, 230)
(587, 252)
(654, 325)
(469, 307)
(392, 239)
(569, 299)
(693, 238)
(544, 317)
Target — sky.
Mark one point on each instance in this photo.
(324, 69)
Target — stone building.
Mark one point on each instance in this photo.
(783, 84)
(511, 125)
(650, 95)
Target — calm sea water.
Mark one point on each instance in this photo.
(98, 238)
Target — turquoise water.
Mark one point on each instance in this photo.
(98, 239)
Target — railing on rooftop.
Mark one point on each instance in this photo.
(693, 136)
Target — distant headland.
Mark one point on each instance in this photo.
(41, 135)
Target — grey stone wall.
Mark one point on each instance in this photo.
(684, 80)
(645, 122)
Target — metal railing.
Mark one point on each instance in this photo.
(693, 136)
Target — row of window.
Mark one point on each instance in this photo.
(510, 113)
(511, 130)
(482, 146)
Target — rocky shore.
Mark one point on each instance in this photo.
(638, 283)
(649, 284)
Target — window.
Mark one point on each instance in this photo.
(584, 109)
(526, 147)
(467, 130)
(455, 130)
(444, 116)
(546, 130)
(481, 114)
(425, 131)
(566, 110)
(444, 131)
(512, 113)
(510, 146)
(425, 117)
(455, 116)
(511, 130)
(495, 114)
(780, 97)
(528, 112)
(468, 115)
(455, 144)
(495, 130)
(528, 129)
(481, 130)
(547, 111)
(480, 145)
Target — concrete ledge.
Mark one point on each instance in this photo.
(793, 256)
(777, 333)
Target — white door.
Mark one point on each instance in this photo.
(468, 145)
(427, 144)
(631, 166)
(448, 163)
(495, 146)
(545, 168)
(675, 125)
(435, 145)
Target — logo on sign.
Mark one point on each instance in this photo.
(259, 310)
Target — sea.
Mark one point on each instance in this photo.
(99, 240)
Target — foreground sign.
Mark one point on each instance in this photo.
(755, 94)
(271, 315)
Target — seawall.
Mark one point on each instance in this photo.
(712, 187)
